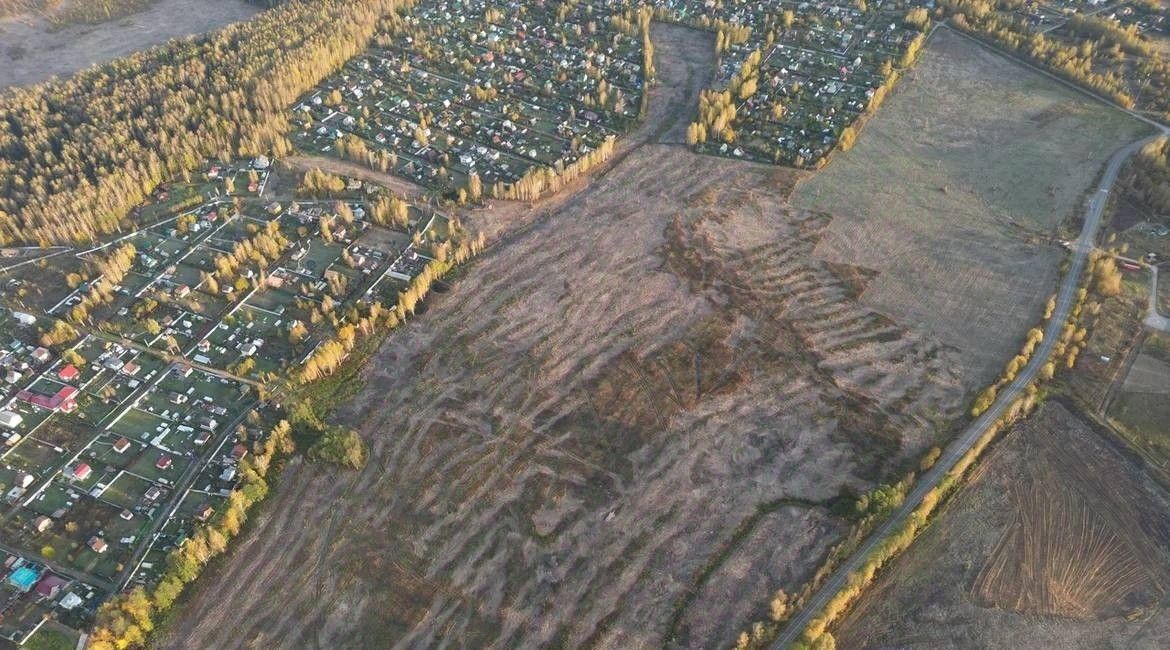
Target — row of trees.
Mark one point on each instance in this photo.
(542, 180)
(1092, 53)
(76, 155)
(126, 620)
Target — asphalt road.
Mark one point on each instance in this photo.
(967, 439)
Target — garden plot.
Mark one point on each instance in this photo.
(80, 522)
(126, 491)
(34, 457)
(250, 333)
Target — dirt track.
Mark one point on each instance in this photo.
(561, 444)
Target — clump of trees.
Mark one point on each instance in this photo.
(110, 269)
(351, 147)
(261, 249)
(918, 18)
(341, 446)
(316, 183)
(716, 118)
(1146, 180)
(1106, 276)
(390, 210)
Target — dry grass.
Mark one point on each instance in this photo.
(569, 437)
(1057, 540)
(954, 192)
(49, 52)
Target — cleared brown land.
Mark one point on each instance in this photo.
(954, 194)
(564, 447)
(31, 52)
(1059, 541)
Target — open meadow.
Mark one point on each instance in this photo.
(1059, 540)
(955, 194)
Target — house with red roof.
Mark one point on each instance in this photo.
(81, 471)
(50, 585)
(68, 373)
(238, 452)
(62, 400)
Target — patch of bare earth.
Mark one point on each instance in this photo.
(619, 428)
(1059, 541)
(31, 50)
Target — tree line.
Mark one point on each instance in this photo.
(1095, 52)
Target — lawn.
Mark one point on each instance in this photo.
(126, 491)
(52, 638)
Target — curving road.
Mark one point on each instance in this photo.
(1154, 318)
(974, 431)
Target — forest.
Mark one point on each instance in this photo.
(77, 154)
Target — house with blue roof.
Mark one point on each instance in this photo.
(24, 578)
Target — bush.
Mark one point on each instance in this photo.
(340, 445)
